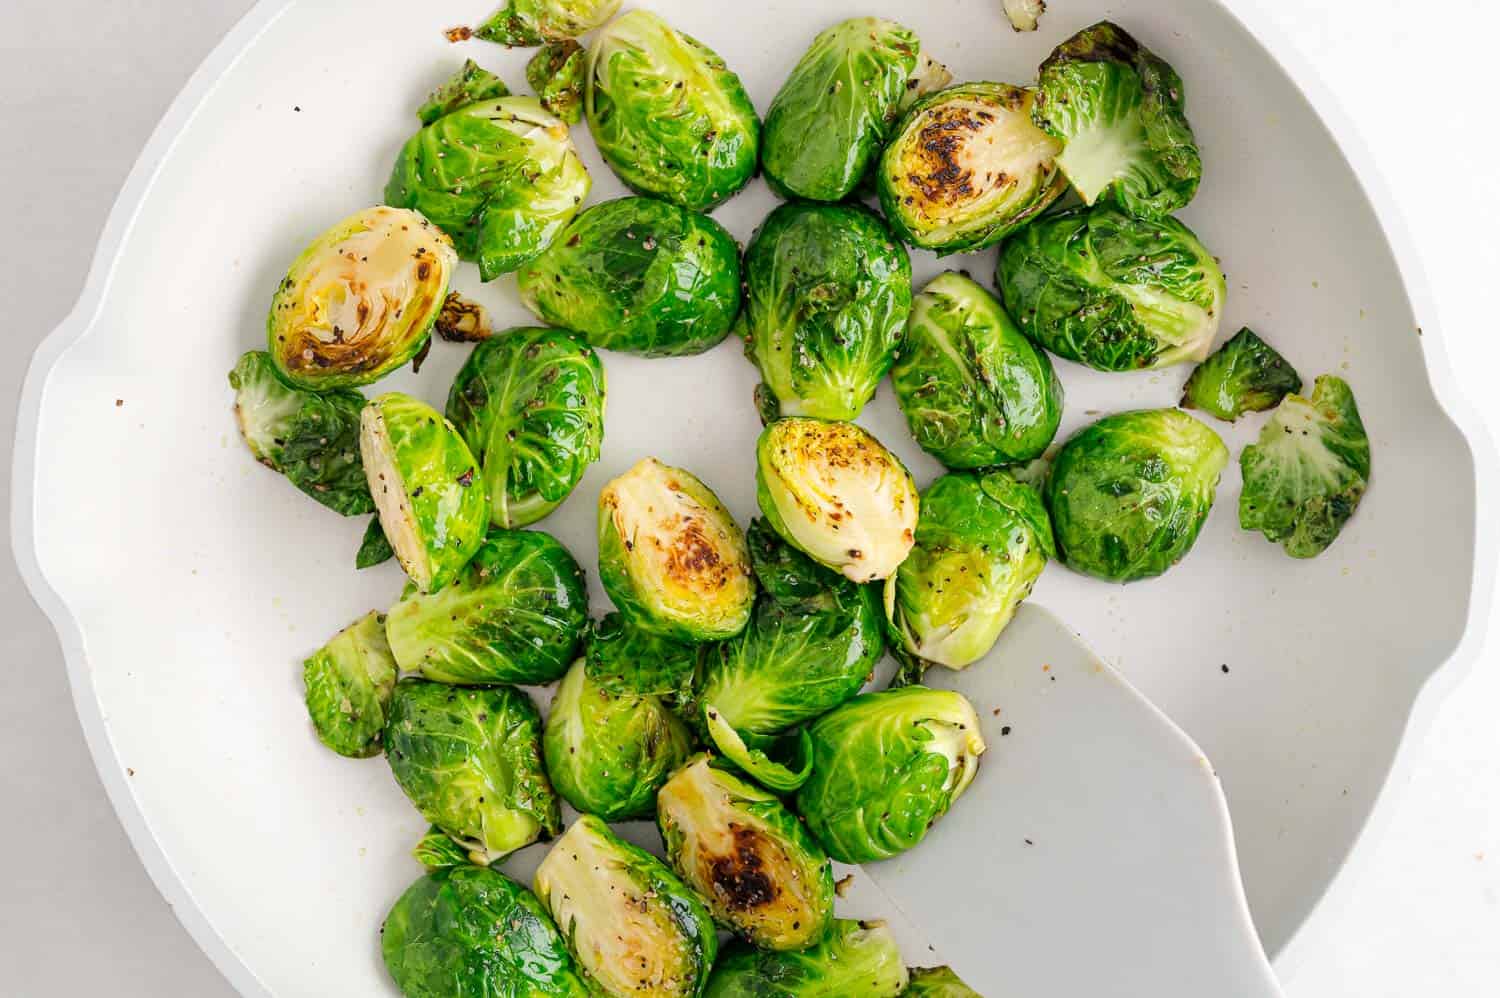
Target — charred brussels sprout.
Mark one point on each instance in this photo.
(470, 760)
(937, 982)
(886, 766)
(1120, 113)
(1113, 291)
(749, 857)
(671, 557)
(532, 22)
(530, 405)
(1305, 477)
(668, 115)
(1129, 494)
(634, 928)
(360, 300)
(427, 488)
(348, 684)
(856, 958)
(470, 85)
(641, 276)
(976, 392)
(828, 292)
(835, 493)
(838, 108)
(556, 74)
(1244, 375)
(968, 167)
(624, 658)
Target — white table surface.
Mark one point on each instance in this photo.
(82, 83)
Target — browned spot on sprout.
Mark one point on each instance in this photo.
(739, 877)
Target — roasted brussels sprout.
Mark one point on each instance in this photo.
(1129, 493)
(531, 22)
(1244, 375)
(1113, 291)
(838, 108)
(500, 176)
(608, 753)
(671, 557)
(668, 115)
(827, 295)
(835, 493)
(471, 762)
(374, 547)
(886, 766)
(556, 74)
(1305, 477)
(967, 167)
(749, 857)
(437, 850)
(516, 613)
(311, 438)
(634, 928)
(360, 300)
(639, 275)
(624, 658)
(856, 958)
(976, 392)
(348, 684)
(1120, 113)
(937, 982)
(472, 932)
(427, 488)
(470, 85)
(530, 405)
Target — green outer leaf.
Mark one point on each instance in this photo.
(781, 775)
(623, 658)
(556, 74)
(640, 276)
(436, 850)
(1244, 375)
(348, 684)
(857, 958)
(374, 548)
(469, 85)
(937, 982)
(532, 22)
(975, 391)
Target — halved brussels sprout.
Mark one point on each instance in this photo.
(857, 958)
(469, 85)
(838, 107)
(1129, 494)
(531, 22)
(516, 613)
(1120, 114)
(436, 850)
(472, 932)
(634, 928)
(500, 176)
(749, 857)
(976, 392)
(530, 405)
(641, 276)
(827, 295)
(624, 658)
(608, 753)
(556, 74)
(1246, 374)
(671, 556)
(937, 982)
(427, 489)
(348, 683)
(886, 766)
(470, 760)
(360, 300)
(668, 115)
(968, 167)
(1113, 291)
(835, 493)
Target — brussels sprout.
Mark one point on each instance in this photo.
(1244, 375)
(469, 85)
(967, 167)
(836, 110)
(975, 391)
(835, 493)
(749, 857)
(624, 658)
(348, 683)
(556, 74)
(671, 557)
(857, 958)
(608, 753)
(471, 762)
(1129, 494)
(668, 115)
(1023, 15)
(1113, 291)
(374, 547)
(1120, 113)
(1305, 477)
(500, 176)
(530, 405)
(937, 982)
(312, 439)
(827, 295)
(360, 300)
(436, 850)
(516, 613)
(633, 927)
(886, 766)
(982, 541)
(472, 932)
(532, 22)
(639, 275)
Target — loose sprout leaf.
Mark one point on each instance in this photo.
(856, 958)
(1024, 14)
(625, 659)
(469, 85)
(1244, 375)
(374, 548)
(348, 684)
(437, 851)
(533, 22)
(556, 73)
(462, 320)
(937, 982)
(781, 765)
